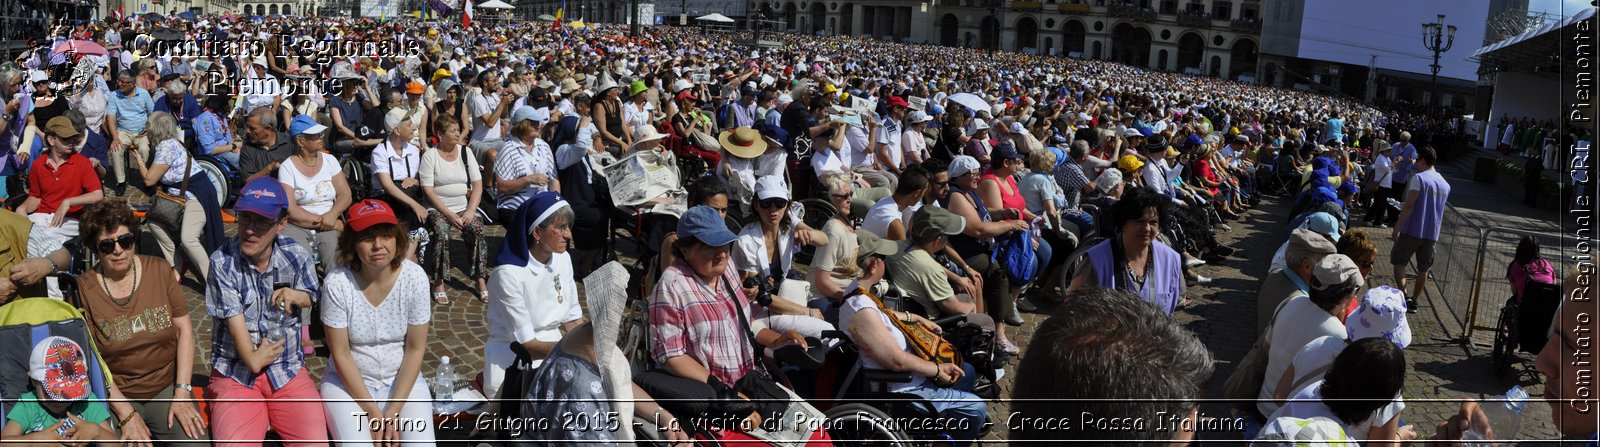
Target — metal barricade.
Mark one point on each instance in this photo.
(1490, 289)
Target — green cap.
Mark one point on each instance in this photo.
(932, 221)
(870, 244)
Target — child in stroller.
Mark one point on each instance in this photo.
(58, 407)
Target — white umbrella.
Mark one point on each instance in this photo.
(970, 101)
(714, 17)
(495, 4)
(547, 17)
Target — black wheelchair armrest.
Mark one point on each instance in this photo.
(834, 334)
(950, 320)
(885, 376)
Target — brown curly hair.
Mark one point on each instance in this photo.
(1357, 246)
(105, 216)
(348, 239)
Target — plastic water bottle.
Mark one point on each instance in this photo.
(444, 385)
(1505, 418)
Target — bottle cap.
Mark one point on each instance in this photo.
(444, 360)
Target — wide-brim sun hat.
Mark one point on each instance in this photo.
(743, 142)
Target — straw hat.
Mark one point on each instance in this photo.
(743, 142)
(569, 86)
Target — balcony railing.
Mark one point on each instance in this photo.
(1194, 19)
(1026, 6)
(1247, 24)
(1073, 7)
(1131, 10)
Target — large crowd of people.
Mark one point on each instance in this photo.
(974, 186)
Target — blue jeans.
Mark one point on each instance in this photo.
(232, 159)
(957, 401)
(1042, 256)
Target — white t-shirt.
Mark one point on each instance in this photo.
(450, 180)
(912, 143)
(1308, 403)
(314, 193)
(377, 333)
(859, 303)
(881, 215)
(399, 165)
(1383, 171)
(1300, 322)
(479, 105)
(856, 141)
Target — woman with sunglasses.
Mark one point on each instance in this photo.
(376, 311)
(141, 324)
(763, 256)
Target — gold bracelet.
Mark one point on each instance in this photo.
(124, 421)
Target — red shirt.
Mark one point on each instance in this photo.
(74, 178)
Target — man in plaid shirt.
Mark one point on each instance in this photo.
(257, 286)
(1074, 184)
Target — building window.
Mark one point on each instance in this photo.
(1195, 8)
(1222, 10)
(1169, 7)
(1285, 10)
(1248, 12)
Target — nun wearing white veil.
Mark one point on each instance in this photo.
(594, 386)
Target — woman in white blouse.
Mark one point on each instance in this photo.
(318, 193)
(453, 186)
(376, 312)
(533, 296)
(394, 167)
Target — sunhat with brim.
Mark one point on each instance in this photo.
(635, 88)
(606, 83)
(645, 134)
(743, 142)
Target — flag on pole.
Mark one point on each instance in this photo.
(560, 13)
(466, 15)
(119, 12)
(440, 7)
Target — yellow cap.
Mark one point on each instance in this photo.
(1130, 163)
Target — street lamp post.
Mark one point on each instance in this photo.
(1438, 38)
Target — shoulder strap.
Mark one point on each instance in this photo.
(1265, 333)
(1311, 376)
(188, 171)
(744, 321)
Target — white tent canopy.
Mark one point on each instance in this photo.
(495, 4)
(714, 17)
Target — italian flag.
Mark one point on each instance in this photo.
(466, 15)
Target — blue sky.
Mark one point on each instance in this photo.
(1558, 7)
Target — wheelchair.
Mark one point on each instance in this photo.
(226, 178)
(1524, 325)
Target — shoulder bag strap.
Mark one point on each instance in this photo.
(188, 171)
(1265, 333)
(744, 321)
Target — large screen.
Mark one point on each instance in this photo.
(1352, 31)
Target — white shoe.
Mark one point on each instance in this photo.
(1224, 227)
(999, 373)
(1202, 279)
(1194, 263)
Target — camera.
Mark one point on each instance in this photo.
(764, 287)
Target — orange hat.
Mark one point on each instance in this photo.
(414, 87)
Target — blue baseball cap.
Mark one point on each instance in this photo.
(264, 197)
(706, 225)
(304, 124)
(1324, 224)
(1005, 151)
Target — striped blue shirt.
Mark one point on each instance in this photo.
(236, 288)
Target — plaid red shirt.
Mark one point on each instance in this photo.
(688, 318)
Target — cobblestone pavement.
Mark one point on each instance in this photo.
(1222, 315)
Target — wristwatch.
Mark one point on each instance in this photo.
(184, 386)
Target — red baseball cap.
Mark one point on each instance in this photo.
(896, 101)
(369, 212)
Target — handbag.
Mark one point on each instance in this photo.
(925, 343)
(166, 209)
(1244, 385)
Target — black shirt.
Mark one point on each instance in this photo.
(253, 158)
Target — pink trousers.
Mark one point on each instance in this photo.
(241, 415)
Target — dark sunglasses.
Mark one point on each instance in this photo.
(773, 203)
(107, 246)
(845, 196)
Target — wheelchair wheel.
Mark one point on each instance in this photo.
(355, 174)
(219, 178)
(1505, 340)
(859, 424)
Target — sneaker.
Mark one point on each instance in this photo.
(1194, 263)
(1383, 225)
(1411, 305)
(1026, 305)
(1223, 227)
(1009, 347)
(1202, 279)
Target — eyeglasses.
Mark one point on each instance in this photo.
(255, 224)
(842, 196)
(942, 184)
(773, 203)
(107, 246)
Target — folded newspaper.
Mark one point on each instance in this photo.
(645, 180)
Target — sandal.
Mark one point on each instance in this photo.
(1009, 347)
(441, 298)
(483, 296)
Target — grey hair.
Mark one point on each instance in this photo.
(1079, 149)
(1405, 135)
(9, 76)
(264, 116)
(162, 127)
(125, 75)
(176, 86)
(835, 181)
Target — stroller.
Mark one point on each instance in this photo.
(27, 321)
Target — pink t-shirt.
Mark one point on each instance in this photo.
(1540, 270)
